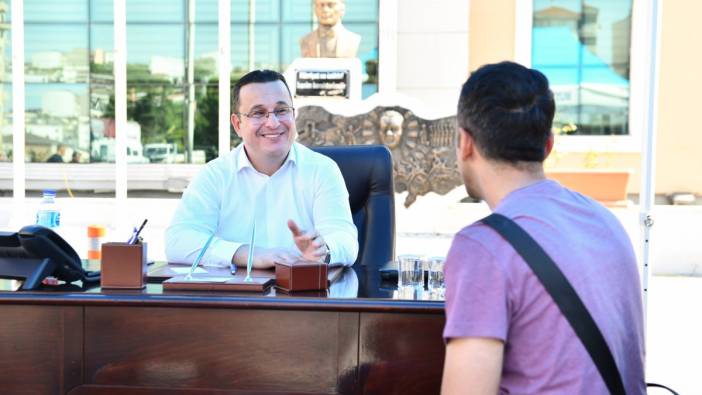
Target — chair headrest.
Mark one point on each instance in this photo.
(367, 170)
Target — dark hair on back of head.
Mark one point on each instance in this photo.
(508, 110)
(255, 76)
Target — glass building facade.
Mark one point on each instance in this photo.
(69, 83)
(583, 49)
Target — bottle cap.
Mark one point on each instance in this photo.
(50, 192)
(96, 231)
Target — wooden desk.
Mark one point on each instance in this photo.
(86, 341)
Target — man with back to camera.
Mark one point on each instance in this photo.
(331, 39)
(296, 196)
(504, 333)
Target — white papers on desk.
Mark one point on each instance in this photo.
(207, 279)
(186, 270)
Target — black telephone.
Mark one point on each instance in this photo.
(36, 252)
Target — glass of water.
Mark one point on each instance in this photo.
(410, 271)
(436, 274)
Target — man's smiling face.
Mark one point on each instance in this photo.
(265, 121)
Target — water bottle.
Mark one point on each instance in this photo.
(48, 214)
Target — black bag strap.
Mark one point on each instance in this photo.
(563, 295)
(654, 385)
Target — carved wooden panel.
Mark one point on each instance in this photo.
(424, 155)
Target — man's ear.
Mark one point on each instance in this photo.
(466, 144)
(236, 122)
(549, 146)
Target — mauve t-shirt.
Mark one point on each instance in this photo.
(491, 292)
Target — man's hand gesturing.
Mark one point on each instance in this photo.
(310, 243)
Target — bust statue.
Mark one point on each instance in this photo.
(331, 39)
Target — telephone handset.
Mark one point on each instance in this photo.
(36, 243)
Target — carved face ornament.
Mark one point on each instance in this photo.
(391, 128)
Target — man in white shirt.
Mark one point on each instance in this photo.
(293, 197)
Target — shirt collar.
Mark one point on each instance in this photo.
(242, 160)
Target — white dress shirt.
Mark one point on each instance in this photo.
(229, 193)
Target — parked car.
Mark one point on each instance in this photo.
(162, 153)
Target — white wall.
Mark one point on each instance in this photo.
(432, 52)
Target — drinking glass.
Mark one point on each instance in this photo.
(436, 274)
(410, 271)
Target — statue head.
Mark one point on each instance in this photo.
(329, 12)
(391, 128)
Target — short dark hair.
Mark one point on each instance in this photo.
(256, 76)
(508, 110)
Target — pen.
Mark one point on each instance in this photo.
(131, 238)
(136, 235)
(199, 256)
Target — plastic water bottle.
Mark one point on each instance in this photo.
(48, 214)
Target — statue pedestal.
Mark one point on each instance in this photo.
(315, 81)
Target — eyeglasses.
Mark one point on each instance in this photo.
(261, 115)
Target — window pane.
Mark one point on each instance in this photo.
(266, 48)
(206, 122)
(158, 111)
(298, 11)
(361, 11)
(240, 11)
(368, 54)
(267, 43)
(101, 10)
(6, 55)
(369, 39)
(155, 53)
(583, 48)
(292, 33)
(102, 121)
(5, 10)
(206, 53)
(155, 11)
(5, 122)
(55, 11)
(56, 114)
(239, 49)
(101, 51)
(56, 53)
(267, 10)
(102, 106)
(206, 10)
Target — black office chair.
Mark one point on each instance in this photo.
(367, 171)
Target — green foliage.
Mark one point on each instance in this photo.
(206, 121)
(163, 119)
(160, 117)
(372, 71)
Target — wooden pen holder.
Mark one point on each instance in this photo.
(123, 266)
(301, 276)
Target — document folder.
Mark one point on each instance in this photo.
(211, 283)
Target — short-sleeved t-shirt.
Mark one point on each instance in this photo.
(491, 292)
